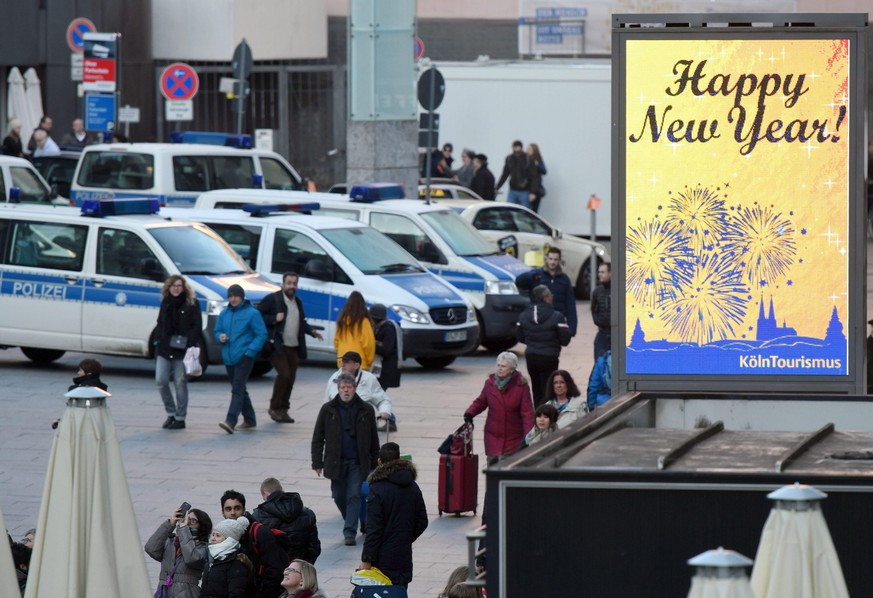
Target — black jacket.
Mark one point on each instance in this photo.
(600, 308)
(177, 317)
(268, 561)
(396, 517)
(327, 438)
(227, 578)
(386, 346)
(483, 183)
(563, 298)
(269, 308)
(522, 173)
(543, 329)
(285, 511)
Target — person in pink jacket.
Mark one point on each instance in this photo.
(506, 396)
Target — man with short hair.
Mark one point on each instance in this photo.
(524, 178)
(553, 276)
(45, 145)
(286, 342)
(78, 137)
(285, 511)
(367, 387)
(544, 330)
(396, 516)
(344, 446)
(601, 311)
(45, 124)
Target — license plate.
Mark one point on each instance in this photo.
(456, 335)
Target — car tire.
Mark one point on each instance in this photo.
(42, 355)
(582, 289)
(435, 363)
(499, 345)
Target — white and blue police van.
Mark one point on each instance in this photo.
(176, 173)
(434, 235)
(90, 279)
(335, 256)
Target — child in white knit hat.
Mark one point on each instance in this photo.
(228, 570)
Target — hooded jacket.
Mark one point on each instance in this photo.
(543, 329)
(245, 330)
(396, 517)
(285, 511)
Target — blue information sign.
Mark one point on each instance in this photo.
(100, 112)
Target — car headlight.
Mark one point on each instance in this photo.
(215, 307)
(600, 251)
(410, 314)
(471, 314)
(500, 287)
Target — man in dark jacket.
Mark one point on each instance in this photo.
(483, 180)
(286, 342)
(601, 311)
(285, 511)
(552, 275)
(387, 335)
(344, 446)
(524, 178)
(396, 516)
(544, 330)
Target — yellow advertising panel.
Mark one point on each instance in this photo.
(737, 206)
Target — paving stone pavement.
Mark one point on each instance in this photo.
(197, 464)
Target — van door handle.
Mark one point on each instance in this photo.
(71, 279)
(97, 282)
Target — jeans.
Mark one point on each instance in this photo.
(240, 401)
(175, 369)
(285, 364)
(602, 343)
(540, 369)
(519, 196)
(346, 493)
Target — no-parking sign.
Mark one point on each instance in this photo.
(179, 81)
(76, 31)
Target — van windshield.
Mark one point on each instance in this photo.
(197, 250)
(371, 251)
(460, 235)
(117, 170)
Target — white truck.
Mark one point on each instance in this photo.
(565, 107)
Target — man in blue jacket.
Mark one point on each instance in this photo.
(241, 332)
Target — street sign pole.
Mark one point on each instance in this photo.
(242, 66)
(431, 90)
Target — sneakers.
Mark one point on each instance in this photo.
(176, 424)
(350, 541)
(247, 426)
(226, 427)
(280, 417)
(168, 421)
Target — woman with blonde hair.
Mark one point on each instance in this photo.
(12, 142)
(179, 325)
(354, 331)
(301, 581)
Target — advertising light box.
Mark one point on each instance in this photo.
(739, 195)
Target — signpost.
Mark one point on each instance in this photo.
(76, 31)
(100, 79)
(179, 84)
(242, 64)
(431, 91)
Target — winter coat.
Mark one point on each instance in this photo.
(245, 332)
(543, 330)
(600, 382)
(563, 298)
(360, 339)
(225, 578)
(177, 317)
(161, 547)
(536, 435)
(386, 346)
(510, 414)
(483, 183)
(270, 307)
(285, 511)
(573, 409)
(600, 308)
(522, 173)
(88, 380)
(396, 517)
(368, 388)
(327, 438)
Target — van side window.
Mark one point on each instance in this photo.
(276, 176)
(190, 173)
(295, 252)
(3, 187)
(32, 189)
(408, 235)
(42, 245)
(123, 253)
(106, 169)
(244, 240)
(232, 172)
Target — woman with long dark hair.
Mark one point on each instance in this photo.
(181, 545)
(354, 331)
(565, 397)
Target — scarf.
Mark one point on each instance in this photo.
(226, 547)
(501, 383)
(174, 313)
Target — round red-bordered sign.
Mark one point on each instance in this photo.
(76, 31)
(179, 81)
(419, 48)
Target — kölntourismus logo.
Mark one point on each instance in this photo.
(737, 207)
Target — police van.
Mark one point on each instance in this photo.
(20, 182)
(434, 235)
(90, 279)
(335, 256)
(176, 173)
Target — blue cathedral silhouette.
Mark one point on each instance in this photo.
(768, 329)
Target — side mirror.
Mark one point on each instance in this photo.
(556, 233)
(53, 192)
(151, 269)
(316, 269)
(430, 253)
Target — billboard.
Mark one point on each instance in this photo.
(739, 196)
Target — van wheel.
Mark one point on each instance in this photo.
(583, 281)
(261, 367)
(435, 363)
(42, 355)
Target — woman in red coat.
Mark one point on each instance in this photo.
(506, 395)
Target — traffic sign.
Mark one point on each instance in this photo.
(419, 48)
(76, 31)
(99, 112)
(178, 110)
(179, 81)
(99, 66)
(431, 89)
(242, 60)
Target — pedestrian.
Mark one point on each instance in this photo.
(396, 516)
(228, 569)
(457, 576)
(464, 174)
(533, 150)
(388, 335)
(301, 581)
(441, 162)
(506, 396)
(566, 398)
(601, 311)
(354, 331)
(483, 180)
(544, 330)
(181, 545)
(553, 276)
(286, 342)
(600, 381)
(344, 446)
(45, 124)
(366, 386)
(285, 511)
(522, 174)
(179, 325)
(241, 332)
(78, 137)
(89, 374)
(45, 145)
(28, 537)
(12, 141)
(545, 424)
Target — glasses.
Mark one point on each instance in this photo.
(292, 570)
(178, 285)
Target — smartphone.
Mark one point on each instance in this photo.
(184, 507)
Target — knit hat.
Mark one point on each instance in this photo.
(235, 290)
(232, 528)
(378, 311)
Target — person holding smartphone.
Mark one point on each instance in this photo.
(181, 544)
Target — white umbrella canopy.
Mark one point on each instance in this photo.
(33, 93)
(16, 100)
(87, 542)
(8, 583)
(796, 556)
(720, 574)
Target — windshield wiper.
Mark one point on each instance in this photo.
(198, 272)
(236, 272)
(400, 267)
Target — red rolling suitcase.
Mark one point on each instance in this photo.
(459, 474)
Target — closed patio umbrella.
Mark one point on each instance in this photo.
(720, 574)
(8, 583)
(87, 543)
(796, 556)
(16, 102)
(33, 94)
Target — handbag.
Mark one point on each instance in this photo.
(178, 341)
(192, 362)
(460, 442)
(161, 592)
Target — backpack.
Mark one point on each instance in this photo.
(281, 540)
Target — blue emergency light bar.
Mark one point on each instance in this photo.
(224, 139)
(100, 208)
(272, 208)
(377, 192)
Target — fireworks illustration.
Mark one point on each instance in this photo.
(701, 216)
(654, 253)
(761, 243)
